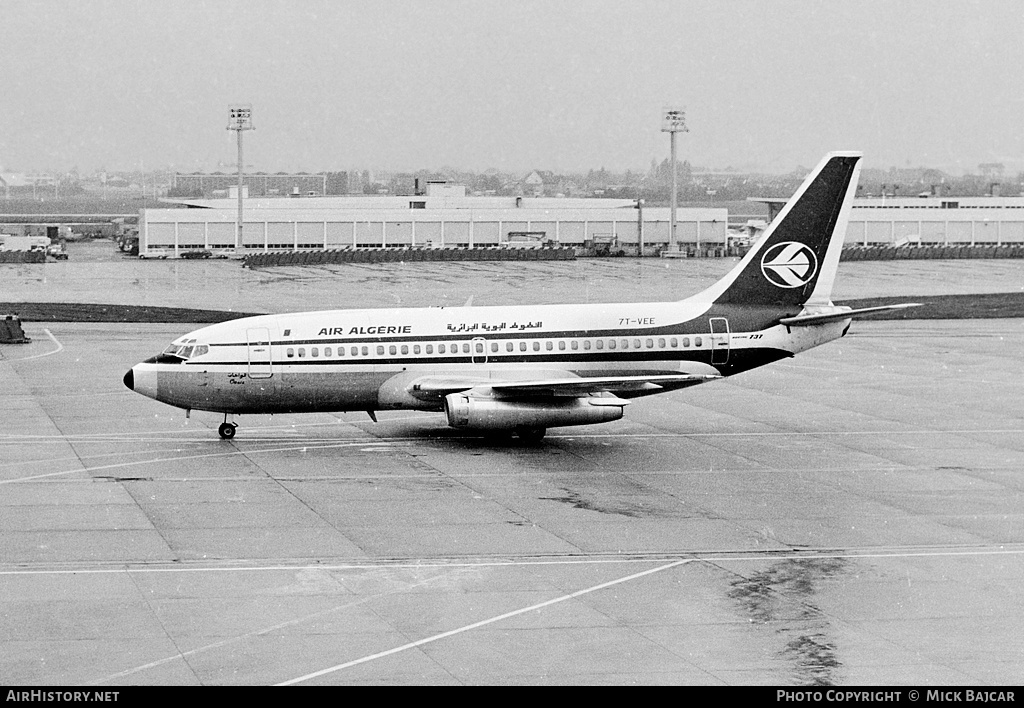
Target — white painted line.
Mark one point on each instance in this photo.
(248, 635)
(717, 556)
(482, 623)
(60, 348)
(119, 465)
(790, 433)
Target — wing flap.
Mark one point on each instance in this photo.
(438, 387)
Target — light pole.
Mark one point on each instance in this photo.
(240, 119)
(673, 120)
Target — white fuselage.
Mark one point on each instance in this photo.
(368, 359)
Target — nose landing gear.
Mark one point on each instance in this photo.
(227, 429)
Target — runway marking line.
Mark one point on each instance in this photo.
(481, 623)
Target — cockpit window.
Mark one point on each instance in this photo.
(185, 351)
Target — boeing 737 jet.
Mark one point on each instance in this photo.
(526, 369)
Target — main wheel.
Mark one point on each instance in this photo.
(531, 436)
(227, 430)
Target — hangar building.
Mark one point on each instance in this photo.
(936, 220)
(444, 217)
(882, 221)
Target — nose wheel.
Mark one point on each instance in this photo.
(227, 430)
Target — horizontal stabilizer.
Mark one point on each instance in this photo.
(841, 314)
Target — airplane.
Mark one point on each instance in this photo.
(524, 369)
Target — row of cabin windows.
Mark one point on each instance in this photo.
(479, 347)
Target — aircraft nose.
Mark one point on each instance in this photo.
(129, 379)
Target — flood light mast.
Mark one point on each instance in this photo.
(239, 120)
(673, 120)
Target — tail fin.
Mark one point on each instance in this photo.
(795, 261)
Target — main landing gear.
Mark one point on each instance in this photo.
(531, 436)
(226, 429)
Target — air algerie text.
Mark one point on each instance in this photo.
(389, 329)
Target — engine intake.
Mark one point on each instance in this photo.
(495, 414)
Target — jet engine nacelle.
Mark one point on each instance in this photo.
(495, 414)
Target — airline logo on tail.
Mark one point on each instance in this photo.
(789, 264)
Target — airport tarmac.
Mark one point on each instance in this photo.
(851, 516)
(97, 273)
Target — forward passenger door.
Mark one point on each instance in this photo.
(261, 365)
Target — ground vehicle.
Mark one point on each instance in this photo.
(57, 251)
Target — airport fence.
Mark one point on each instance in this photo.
(395, 255)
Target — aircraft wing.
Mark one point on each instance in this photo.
(438, 387)
(847, 314)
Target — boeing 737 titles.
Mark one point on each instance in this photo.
(526, 369)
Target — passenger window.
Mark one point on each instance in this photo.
(440, 349)
(465, 349)
(494, 346)
(624, 344)
(536, 346)
(674, 343)
(574, 345)
(415, 348)
(522, 346)
(599, 344)
(380, 349)
(366, 351)
(509, 346)
(354, 351)
(405, 348)
(636, 343)
(586, 345)
(327, 351)
(549, 346)
(430, 349)
(661, 343)
(611, 344)
(315, 351)
(697, 341)
(302, 352)
(479, 348)
(392, 350)
(561, 346)
(289, 352)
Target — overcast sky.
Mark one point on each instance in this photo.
(518, 85)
